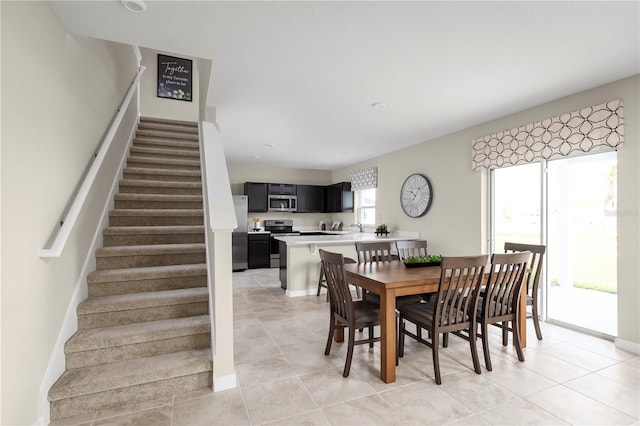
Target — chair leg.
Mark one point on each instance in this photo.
(332, 327)
(485, 346)
(517, 342)
(505, 333)
(347, 364)
(371, 336)
(536, 320)
(401, 326)
(320, 279)
(435, 343)
(445, 340)
(474, 350)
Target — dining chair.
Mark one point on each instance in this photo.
(532, 280)
(322, 281)
(374, 251)
(500, 300)
(411, 248)
(345, 312)
(453, 309)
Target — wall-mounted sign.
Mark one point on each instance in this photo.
(174, 78)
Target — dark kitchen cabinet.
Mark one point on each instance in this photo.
(311, 198)
(259, 251)
(257, 194)
(339, 197)
(281, 189)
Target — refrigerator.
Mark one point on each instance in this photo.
(240, 235)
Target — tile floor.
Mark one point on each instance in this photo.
(284, 378)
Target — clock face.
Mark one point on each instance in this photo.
(416, 195)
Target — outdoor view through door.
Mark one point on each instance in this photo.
(579, 229)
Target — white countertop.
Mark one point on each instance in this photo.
(251, 231)
(345, 237)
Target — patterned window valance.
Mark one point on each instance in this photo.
(599, 127)
(364, 179)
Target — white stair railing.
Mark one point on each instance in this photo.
(69, 220)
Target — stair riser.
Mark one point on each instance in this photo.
(157, 127)
(146, 239)
(176, 155)
(126, 352)
(165, 144)
(144, 204)
(107, 319)
(162, 190)
(142, 286)
(161, 177)
(120, 262)
(119, 397)
(172, 136)
(158, 165)
(155, 221)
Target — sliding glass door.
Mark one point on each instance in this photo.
(572, 210)
(582, 242)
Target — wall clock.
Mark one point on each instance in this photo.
(416, 195)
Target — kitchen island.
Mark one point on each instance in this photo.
(300, 261)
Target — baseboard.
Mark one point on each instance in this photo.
(57, 362)
(627, 345)
(225, 382)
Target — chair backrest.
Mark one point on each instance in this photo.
(411, 248)
(535, 263)
(339, 291)
(378, 251)
(457, 297)
(502, 292)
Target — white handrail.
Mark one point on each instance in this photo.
(55, 250)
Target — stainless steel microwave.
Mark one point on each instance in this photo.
(283, 203)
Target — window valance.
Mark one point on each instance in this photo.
(364, 179)
(600, 127)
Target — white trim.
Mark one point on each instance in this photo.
(57, 362)
(627, 345)
(224, 383)
(62, 236)
(300, 293)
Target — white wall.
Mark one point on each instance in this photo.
(59, 94)
(153, 106)
(457, 221)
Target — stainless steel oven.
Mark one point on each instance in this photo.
(278, 228)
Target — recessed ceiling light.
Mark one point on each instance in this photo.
(378, 105)
(269, 145)
(135, 6)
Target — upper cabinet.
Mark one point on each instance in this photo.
(339, 197)
(257, 194)
(281, 188)
(311, 198)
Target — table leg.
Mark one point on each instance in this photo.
(388, 337)
(338, 334)
(522, 318)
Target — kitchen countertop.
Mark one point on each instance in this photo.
(251, 231)
(345, 237)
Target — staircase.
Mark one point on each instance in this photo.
(143, 332)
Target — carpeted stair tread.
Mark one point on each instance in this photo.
(119, 375)
(106, 337)
(162, 161)
(153, 230)
(157, 197)
(171, 127)
(167, 135)
(166, 144)
(156, 212)
(158, 173)
(150, 250)
(125, 302)
(148, 151)
(149, 272)
(168, 121)
(160, 184)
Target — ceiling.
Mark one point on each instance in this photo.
(294, 82)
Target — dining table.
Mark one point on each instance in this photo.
(390, 280)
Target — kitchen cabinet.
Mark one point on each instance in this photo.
(311, 198)
(259, 251)
(281, 189)
(339, 197)
(257, 194)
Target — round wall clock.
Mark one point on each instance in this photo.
(416, 195)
